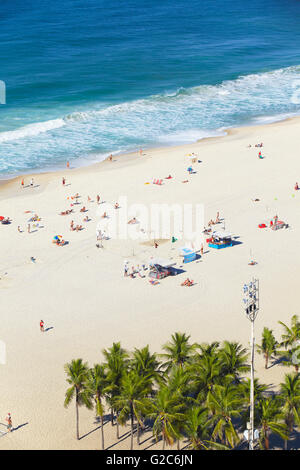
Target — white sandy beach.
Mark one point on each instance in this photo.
(80, 293)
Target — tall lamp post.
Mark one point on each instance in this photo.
(251, 307)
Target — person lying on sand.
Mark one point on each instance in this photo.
(6, 221)
(168, 177)
(67, 212)
(78, 227)
(117, 205)
(86, 219)
(132, 221)
(104, 216)
(187, 282)
(83, 209)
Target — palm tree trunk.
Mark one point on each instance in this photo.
(267, 443)
(267, 359)
(178, 444)
(118, 434)
(164, 443)
(112, 416)
(77, 416)
(138, 432)
(131, 441)
(102, 433)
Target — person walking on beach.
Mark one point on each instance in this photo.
(22, 183)
(31, 182)
(63, 181)
(98, 199)
(42, 328)
(201, 250)
(9, 422)
(125, 268)
(68, 165)
(28, 228)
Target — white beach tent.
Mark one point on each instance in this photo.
(165, 263)
(221, 234)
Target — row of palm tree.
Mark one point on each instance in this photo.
(192, 393)
(290, 341)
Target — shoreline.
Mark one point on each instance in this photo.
(131, 156)
(84, 299)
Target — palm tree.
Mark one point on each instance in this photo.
(224, 404)
(98, 386)
(146, 364)
(268, 346)
(290, 395)
(77, 376)
(233, 358)
(116, 365)
(178, 350)
(269, 419)
(290, 337)
(205, 372)
(197, 427)
(167, 411)
(179, 380)
(133, 400)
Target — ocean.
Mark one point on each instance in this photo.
(86, 78)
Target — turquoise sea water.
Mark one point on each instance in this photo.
(85, 78)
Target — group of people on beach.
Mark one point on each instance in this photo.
(139, 271)
(31, 182)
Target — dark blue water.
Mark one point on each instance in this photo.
(85, 78)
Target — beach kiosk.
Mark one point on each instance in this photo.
(220, 239)
(188, 254)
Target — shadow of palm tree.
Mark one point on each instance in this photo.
(122, 438)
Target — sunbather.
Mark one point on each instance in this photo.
(187, 282)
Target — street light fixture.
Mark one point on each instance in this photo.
(251, 307)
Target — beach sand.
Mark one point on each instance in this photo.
(80, 292)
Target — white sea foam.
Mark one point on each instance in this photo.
(31, 130)
(180, 116)
(192, 135)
